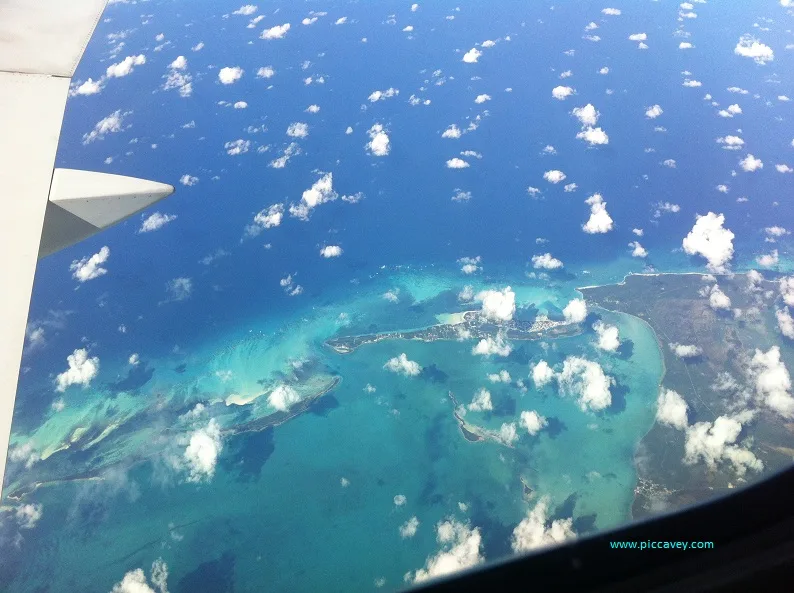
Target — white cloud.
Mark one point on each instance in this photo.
(784, 168)
(751, 164)
(298, 130)
(135, 580)
(331, 251)
(237, 147)
(709, 239)
(501, 377)
(267, 218)
(381, 95)
(88, 87)
(109, 125)
(460, 549)
(768, 260)
(481, 402)
(772, 381)
(749, 47)
(482, 99)
(575, 311)
(653, 111)
(156, 221)
(246, 10)
(561, 92)
(536, 531)
(497, 305)
(593, 136)
(508, 434)
(178, 78)
(379, 143)
(554, 176)
(542, 374)
(230, 74)
(125, 67)
(638, 37)
(27, 515)
(786, 286)
(90, 267)
(686, 350)
(408, 529)
(490, 346)
(608, 339)
(265, 72)
(457, 163)
(471, 56)
(731, 142)
(452, 131)
(611, 11)
(198, 47)
(320, 192)
(692, 83)
(588, 115)
(715, 443)
(546, 261)
(730, 111)
(533, 422)
(638, 250)
(201, 454)
(283, 397)
(586, 380)
(401, 365)
(341, 20)
(470, 265)
(599, 221)
(277, 32)
(240, 105)
(785, 322)
(671, 409)
(82, 370)
(685, 45)
(188, 180)
(718, 300)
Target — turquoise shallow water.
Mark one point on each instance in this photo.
(311, 503)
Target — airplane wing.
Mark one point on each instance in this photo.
(44, 209)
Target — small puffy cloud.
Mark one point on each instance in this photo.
(482, 99)
(240, 105)
(125, 67)
(611, 11)
(772, 381)
(277, 32)
(586, 380)
(156, 221)
(188, 180)
(608, 339)
(402, 366)
(267, 218)
(135, 580)
(686, 350)
(751, 164)
(481, 402)
(111, 124)
(501, 377)
(691, 83)
(265, 72)
(711, 240)
(246, 10)
(715, 444)
(88, 87)
(561, 92)
(638, 250)
(471, 56)
(653, 111)
(749, 47)
(320, 192)
(731, 142)
(341, 20)
(718, 300)
(457, 163)
(685, 45)
(554, 176)
(452, 131)
(533, 422)
(202, 451)
(785, 322)
(490, 346)
(82, 370)
(230, 74)
(546, 261)
(88, 268)
(470, 265)
(587, 115)
(134, 359)
(783, 168)
(575, 311)
(27, 515)
(786, 286)
(408, 529)
(599, 221)
(237, 147)
(298, 130)
(671, 409)
(542, 374)
(497, 305)
(460, 549)
(379, 143)
(536, 531)
(730, 111)
(283, 397)
(331, 251)
(508, 434)
(593, 136)
(638, 37)
(768, 260)
(381, 95)
(179, 289)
